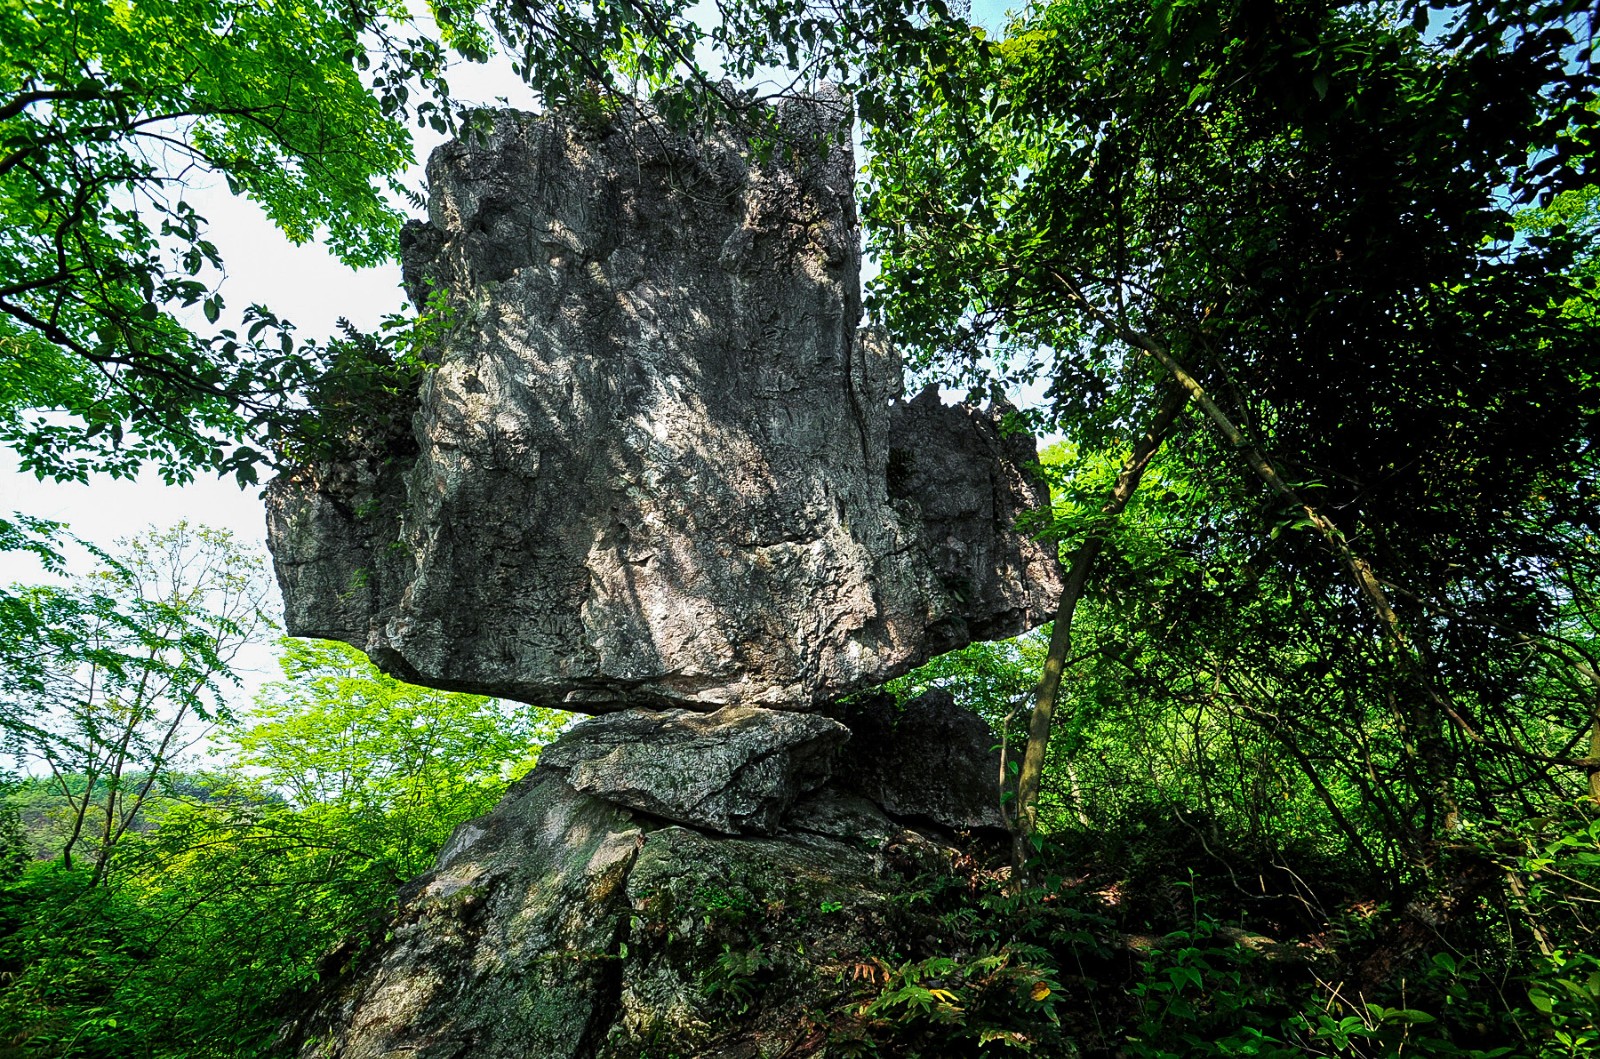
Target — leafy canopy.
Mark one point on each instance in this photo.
(1318, 211)
(114, 675)
(110, 114)
(233, 898)
(392, 760)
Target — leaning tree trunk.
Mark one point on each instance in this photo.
(1049, 689)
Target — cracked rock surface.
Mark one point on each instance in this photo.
(659, 463)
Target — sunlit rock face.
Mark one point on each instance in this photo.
(659, 464)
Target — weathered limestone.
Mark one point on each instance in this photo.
(570, 923)
(502, 951)
(735, 771)
(658, 464)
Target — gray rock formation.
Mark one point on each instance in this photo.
(658, 463)
(735, 771)
(502, 950)
(564, 925)
(931, 761)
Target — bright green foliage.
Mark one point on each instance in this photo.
(233, 897)
(993, 678)
(1279, 201)
(26, 615)
(47, 808)
(1211, 679)
(1370, 237)
(109, 112)
(118, 672)
(1575, 212)
(695, 63)
(1322, 262)
(360, 749)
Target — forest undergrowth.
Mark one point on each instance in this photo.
(1182, 902)
(1166, 939)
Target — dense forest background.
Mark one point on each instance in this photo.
(1309, 762)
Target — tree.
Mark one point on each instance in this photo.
(26, 616)
(129, 673)
(339, 786)
(393, 762)
(1302, 216)
(109, 114)
(1301, 219)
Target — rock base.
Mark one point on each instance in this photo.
(612, 906)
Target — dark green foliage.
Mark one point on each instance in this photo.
(15, 849)
(983, 972)
(1079, 964)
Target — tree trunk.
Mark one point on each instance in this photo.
(1049, 687)
(1418, 727)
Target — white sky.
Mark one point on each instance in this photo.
(304, 284)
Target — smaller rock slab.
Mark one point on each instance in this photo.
(932, 761)
(736, 771)
(833, 813)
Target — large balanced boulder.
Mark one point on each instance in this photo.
(571, 923)
(659, 463)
